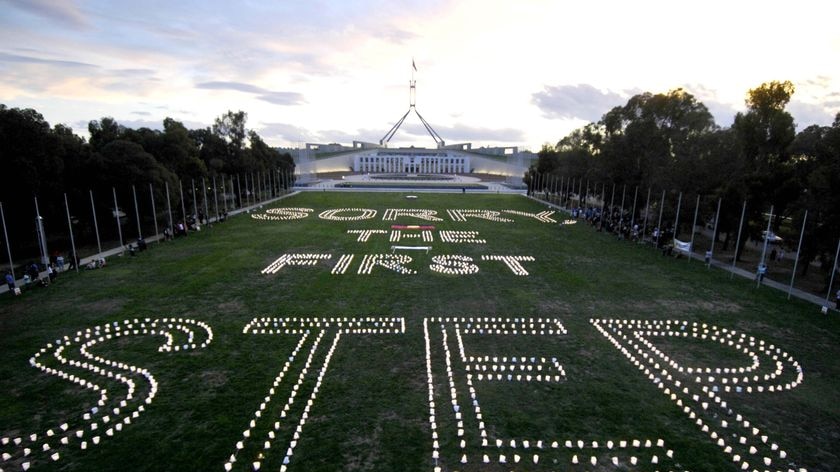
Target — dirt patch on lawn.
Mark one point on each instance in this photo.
(106, 306)
(231, 306)
(554, 306)
(213, 378)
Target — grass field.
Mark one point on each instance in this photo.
(361, 399)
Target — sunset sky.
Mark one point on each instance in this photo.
(518, 73)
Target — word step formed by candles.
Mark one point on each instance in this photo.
(125, 390)
(701, 392)
(272, 434)
(456, 372)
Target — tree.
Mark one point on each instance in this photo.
(764, 134)
(178, 152)
(816, 156)
(230, 127)
(103, 132)
(212, 151)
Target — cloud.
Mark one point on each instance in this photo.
(466, 133)
(60, 11)
(581, 101)
(392, 35)
(289, 133)
(286, 132)
(17, 58)
(806, 114)
(723, 113)
(270, 96)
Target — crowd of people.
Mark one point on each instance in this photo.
(38, 274)
(619, 222)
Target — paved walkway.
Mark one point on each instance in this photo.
(795, 292)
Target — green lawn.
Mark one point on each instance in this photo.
(369, 392)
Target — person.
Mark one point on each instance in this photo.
(708, 257)
(60, 262)
(10, 281)
(51, 272)
(167, 235)
(74, 261)
(761, 272)
(141, 244)
(837, 299)
(33, 272)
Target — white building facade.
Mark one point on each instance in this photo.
(412, 162)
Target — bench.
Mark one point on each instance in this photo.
(411, 248)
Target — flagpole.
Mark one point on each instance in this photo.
(204, 192)
(677, 218)
(215, 199)
(195, 203)
(70, 227)
(738, 241)
(764, 249)
(714, 234)
(6, 235)
(154, 210)
(136, 211)
(693, 227)
(647, 215)
(659, 224)
(95, 223)
(621, 211)
(183, 207)
(798, 249)
(169, 209)
(833, 271)
(117, 216)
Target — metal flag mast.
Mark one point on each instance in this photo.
(412, 99)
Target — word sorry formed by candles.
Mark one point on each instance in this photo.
(393, 214)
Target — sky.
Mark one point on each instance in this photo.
(510, 73)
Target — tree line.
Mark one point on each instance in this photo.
(50, 161)
(670, 141)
